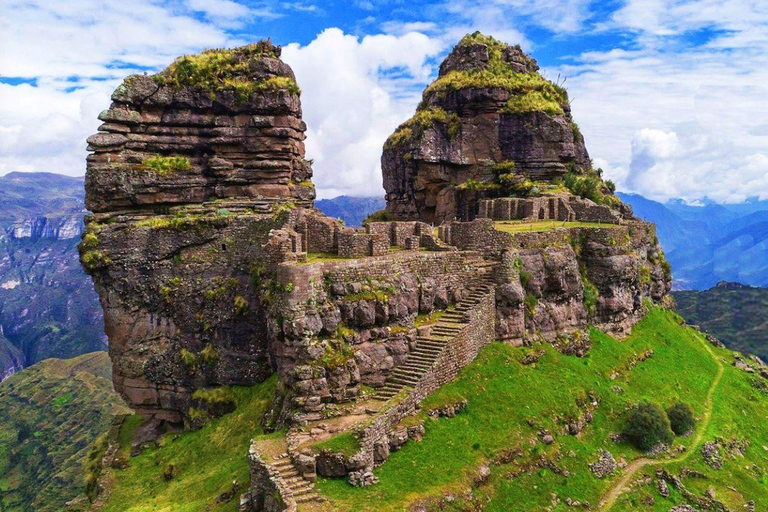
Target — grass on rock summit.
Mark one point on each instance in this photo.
(227, 70)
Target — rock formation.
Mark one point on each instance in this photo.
(489, 113)
(213, 267)
(188, 174)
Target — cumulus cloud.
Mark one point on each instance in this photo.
(69, 56)
(356, 91)
(670, 118)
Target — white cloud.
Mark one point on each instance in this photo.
(355, 93)
(77, 52)
(676, 119)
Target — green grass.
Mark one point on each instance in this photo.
(503, 396)
(543, 225)
(345, 443)
(206, 462)
(214, 71)
(316, 257)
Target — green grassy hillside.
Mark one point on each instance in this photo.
(509, 404)
(50, 414)
(515, 396)
(737, 315)
(206, 470)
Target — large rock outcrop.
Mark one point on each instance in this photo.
(221, 125)
(189, 174)
(488, 113)
(213, 268)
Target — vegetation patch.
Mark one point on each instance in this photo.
(345, 443)
(681, 418)
(207, 464)
(590, 185)
(380, 216)
(220, 70)
(167, 165)
(648, 427)
(422, 121)
(499, 429)
(531, 92)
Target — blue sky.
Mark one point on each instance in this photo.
(669, 94)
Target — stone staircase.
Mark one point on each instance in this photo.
(300, 489)
(428, 348)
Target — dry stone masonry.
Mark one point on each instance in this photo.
(214, 268)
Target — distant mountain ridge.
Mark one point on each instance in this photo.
(735, 313)
(352, 210)
(48, 307)
(711, 243)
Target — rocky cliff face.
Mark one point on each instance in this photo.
(213, 268)
(489, 113)
(189, 174)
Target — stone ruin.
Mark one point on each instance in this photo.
(214, 268)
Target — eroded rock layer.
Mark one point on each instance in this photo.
(488, 113)
(220, 125)
(189, 174)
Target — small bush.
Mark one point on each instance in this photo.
(681, 418)
(189, 359)
(166, 165)
(648, 426)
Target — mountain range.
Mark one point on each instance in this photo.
(710, 243)
(48, 307)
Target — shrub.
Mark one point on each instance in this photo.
(591, 294)
(648, 426)
(241, 305)
(681, 418)
(166, 165)
(89, 243)
(531, 302)
(189, 359)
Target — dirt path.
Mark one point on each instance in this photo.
(618, 487)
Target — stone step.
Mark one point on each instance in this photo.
(406, 381)
(304, 498)
(428, 350)
(303, 489)
(420, 371)
(288, 474)
(429, 343)
(430, 338)
(407, 374)
(424, 364)
(419, 358)
(417, 365)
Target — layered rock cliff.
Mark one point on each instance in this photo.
(489, 113)
(189, 174)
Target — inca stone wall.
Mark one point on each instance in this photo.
(349, 323)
